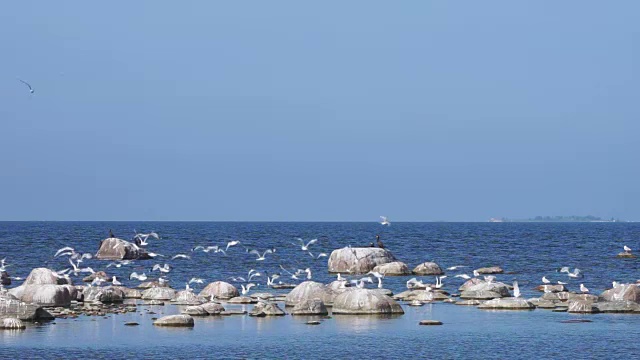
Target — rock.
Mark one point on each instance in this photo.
(551, 288)
(131, 324)
(358, 260)
(99, 274)
(490, 270)
(310, 307)
(416, 303)
(130, 293)
(469, 283)
(430, 322)
(45, 295)
(395, 268)
(626, 255)
(485, 291)
(542, 303)
(630, 292)
(428, 268)
(44, 276)
(212, 308)
(220, 290)
(233, 312)
(264, 308)
(313, 322)
(107, 294)
(12, 324)
(420, 295)
(175, 320)
(12, 307)
(619, 306)
(118, 249)
(587, 297)
(582, 306)
(195, 310)
(283, 286)
(242, 300)
(186, 297)
(559, 296)
(263, 296)
(383, 291)
(576, 321)
(159, 293)
(365, 301)
(154, 302)
(468, 302)
(507, 304)
(310, 290)
(151, 284)
(480, 295)
(5, 279)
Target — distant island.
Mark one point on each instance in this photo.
(588, 218)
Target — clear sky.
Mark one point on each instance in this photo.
(333, 110)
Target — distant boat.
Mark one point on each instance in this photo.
(496, 220)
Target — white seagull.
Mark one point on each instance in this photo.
(143, 237)
(196, 280)
(115, 281)
(305, 247)
(627, 249)
(545, 280)
(378, 276)
(164, 269)
(206, 249)
(384, 221)
(261, 257)
(583, 288)
(516, 290)
(140, 277)
(181, 256)
(246, 289)
(232, 243)
(464, 276)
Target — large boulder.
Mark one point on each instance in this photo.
(354, 260)
(421, 295)
(395, 268)
(220, 290)
(428, 268)
(507, 304)
(195, 310)
(582, 306)
(485, 290)
(264, 308)
(619, 306)
(310, 307)
(212, 308)
(630, 292)
(14, 308)
(490, 270)
(43, 276)
(365, 301)
(175, 320)
(310, 290)
(45, 295)
(158, 293)
(186, 297)
(118, 249)
(107, 294)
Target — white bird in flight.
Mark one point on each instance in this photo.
(139, 277)
(232, 243)
(377, 276)
(545, 280)
(181, 256)
(464, 276)
(26, 83)
(261, 257)
(143, 237)
(456, 267)
(246, 289)
(385, 220)
(317, 256)
(305, 247)
(164, 269)
(196, 280)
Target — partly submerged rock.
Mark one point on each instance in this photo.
(310, 307)
(159, 293)
(582, 306)
(395, 268)
(12, 324)
(175, 320)
(195, 310)
(220, 290)
(619, 306)
(264, 308)
(430, 322)
(490, 270)
(428, 268)
(45, 295)
(507, 304)
(186, 297)
(212, 308)
(107, 294)
(242, 300)
(470, 302)
(551, 288)
(629, 292)
(98, 274)
(358, 260)
(485, 290)
(365, 301)
(118, 249)
(12, 307)
(5, 279)
(151, 284)
(626, 255)
(310, 290)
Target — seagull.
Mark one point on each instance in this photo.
(545, 280)
(252, 275)
(164, 269)
(385, 221)
(181, 256)
(261, 257)
(3, 265)
(245, 290)
(489, 278)
(140, 277)
(143, 237)
(196, 280)
(464, 276)
(271, 279)
(26, 83)
(439, 281)
(583, 288)
(232, 243)
(360, 283)
(561, 283)
(627, 249)
(308, 271)
(76, 269)
(476, 273)
(115, 281)
(206, 249)
(305, 247)
(575, 273)
(413, 282)
(516, 290)
(65, 250)
(455, 267)
(293, 276)
(317, 256)
(152, 254)
(119, 263)
(378, 276)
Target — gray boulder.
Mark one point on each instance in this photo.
(242, 300)
(264, 308)
(468, 302)
(365, 301)
(582, 306)
(220, 290)
(507, 304)
(630, 292)
(107, 294)
(195, 310)
(485, 290)
(551, 288)
(151, 284)
(557, 296)
(14, 308)
(118, 249)
(428, 268)
(490, 270)
(619, 306)
(98, 274)
(45, 295)
(159, 293)
(12, 324)
(186, 297)
(354, 260)
(212, 308)
(310, 307)
(395, 268)
(44, 276)
(175, 321)
(310, 290)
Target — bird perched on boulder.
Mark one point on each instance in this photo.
(380, 244)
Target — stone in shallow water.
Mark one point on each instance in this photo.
(358, 260)
(11, 323)
(582, 306)
(576, 321)
(233, 312)
(195, 310)
(131, 324)
(310, 307)
(242, 300)
(470, 302)
(313, 322)
(490, 270)
(266, 309)
(220, 290)
(430, 322)
(365, 301)
(428, 268)
(175, 321)
(213, 308)
(395, 268)
(416, 303)
(507, 304)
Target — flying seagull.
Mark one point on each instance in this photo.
(384, 221)
(26, 83)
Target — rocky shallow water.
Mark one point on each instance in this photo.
(526, 252)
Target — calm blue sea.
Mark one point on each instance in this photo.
(526, 251)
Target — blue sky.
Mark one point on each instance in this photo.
(421, 111)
